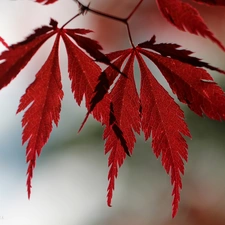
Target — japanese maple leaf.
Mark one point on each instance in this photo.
(155, 110)
(36, 129)
(42, 100)
(126, 116)
(44, 96)
(163, 119)
(193, 86)
(124, 102)
(185, 17)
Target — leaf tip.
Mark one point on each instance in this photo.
(53, 23)
(174, 213)
(4, 43)
(84, 121)
(109, 198)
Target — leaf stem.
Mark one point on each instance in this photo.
(84, 9)
(71, 19)
(134, 10)
(129, 34)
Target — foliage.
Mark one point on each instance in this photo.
(111, 95)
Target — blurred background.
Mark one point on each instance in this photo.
(70, 179)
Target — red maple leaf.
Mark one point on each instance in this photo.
(163, 119)
(43, 96)
(126, 116)
(164, 122)
(185, 17)
(155, 110)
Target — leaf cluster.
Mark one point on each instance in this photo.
(111, 96)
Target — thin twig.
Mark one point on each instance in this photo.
(84, 8)
(87, 8)
(71, 19)
(130, 37)
(134, 10)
